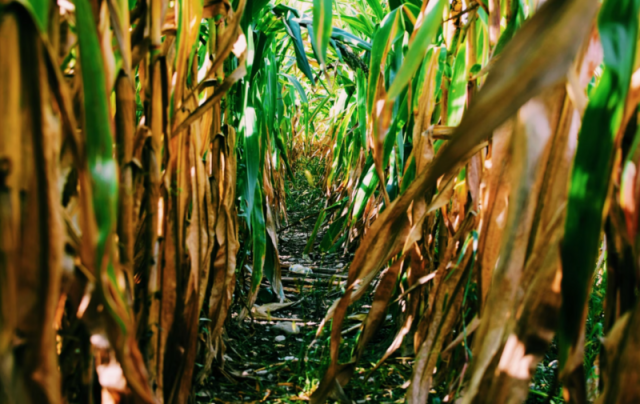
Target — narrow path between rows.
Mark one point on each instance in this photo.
(273, 356)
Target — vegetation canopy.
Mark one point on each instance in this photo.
(440, 198)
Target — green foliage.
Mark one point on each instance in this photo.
(618, 27)
(322, 15)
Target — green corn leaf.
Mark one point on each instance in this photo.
(411, 12)
(283, 152)
(282, 9)
(418, 47)
(293, 29)
(330, 238)
(409, 174)
(345, 36)
(314, 234)
(263, 43)
(296, 84)
(252, 150)
(618, 27)
(399, 119)
(458, 88)
(252, 12)
(338, 149)
(393, 4)
(368, 23)
(271, 91)
(99, 145)
(357, 25)
(368, 184)
(510, 30)
(342, 35)
(362, 107)
(400, 144)
(322, 15)
(312, 40)
(384, 38)
(334, 45)
(259, 238)
(377, 8)
(483, 17)
(319, 108)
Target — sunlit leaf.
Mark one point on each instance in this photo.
(618, 27)
(322, 17)
(293, 29)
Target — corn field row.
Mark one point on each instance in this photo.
(480, 157)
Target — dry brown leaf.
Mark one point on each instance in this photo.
(440, 323)
(39, 236)
(530, 150)
(621, 373)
